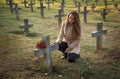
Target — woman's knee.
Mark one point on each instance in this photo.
(72, 57)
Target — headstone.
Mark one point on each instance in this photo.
(105, 3)
(31, 5)
(26, 26)
(25, 3)
(41, 9)
(85, 14)
(11, 5)
(104, 13)
(79, 7)
(17, 11)
(48, 4)
(62, 7)
(60, 15)
(47, 52)
(98, 34)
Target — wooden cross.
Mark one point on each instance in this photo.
(48, 4)
(62, 7)
(31, 5)
(104, 13)
(79, 7)
(11, 5)
(99, 34)
(47, 52)
(17, 11)
(25, 3)
(41, 9)
(59, 16)
(85, 14)
(26, 26)
(105, 3)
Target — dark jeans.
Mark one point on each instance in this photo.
(70, 56)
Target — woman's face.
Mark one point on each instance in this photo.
(71, 19)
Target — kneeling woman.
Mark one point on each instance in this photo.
(69, 37)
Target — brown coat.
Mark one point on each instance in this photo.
(65, 35)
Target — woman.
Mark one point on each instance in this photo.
(69, 37)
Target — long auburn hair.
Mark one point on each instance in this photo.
(76, 31)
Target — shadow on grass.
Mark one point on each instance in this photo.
(28, 35)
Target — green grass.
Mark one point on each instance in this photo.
(17, 50)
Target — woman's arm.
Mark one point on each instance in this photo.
(74, 43)
(60, 36)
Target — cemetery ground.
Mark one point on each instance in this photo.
(17, 49)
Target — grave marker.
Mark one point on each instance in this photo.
(105, 3)
(47, 52)
(48, 4)
(98, 34)
(25, 3)
(85, 14)
(104, 13)
(31, 5)
(62, 7)
(26, 26)
(60, 15)
(11, 5)
(17, 11)
(41, 9)
(79, 7)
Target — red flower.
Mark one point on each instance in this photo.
(41, 45)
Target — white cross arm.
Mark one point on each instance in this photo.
(42, 51)
(104, 31)
(25, 26)
(95, 33)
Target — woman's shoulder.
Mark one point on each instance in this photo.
(63, 24)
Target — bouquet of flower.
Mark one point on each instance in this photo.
(41, 44)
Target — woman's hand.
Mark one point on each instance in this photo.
(67, 50)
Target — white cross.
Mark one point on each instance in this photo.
(47, 52)
(99, 34)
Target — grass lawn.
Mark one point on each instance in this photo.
(17, 50)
